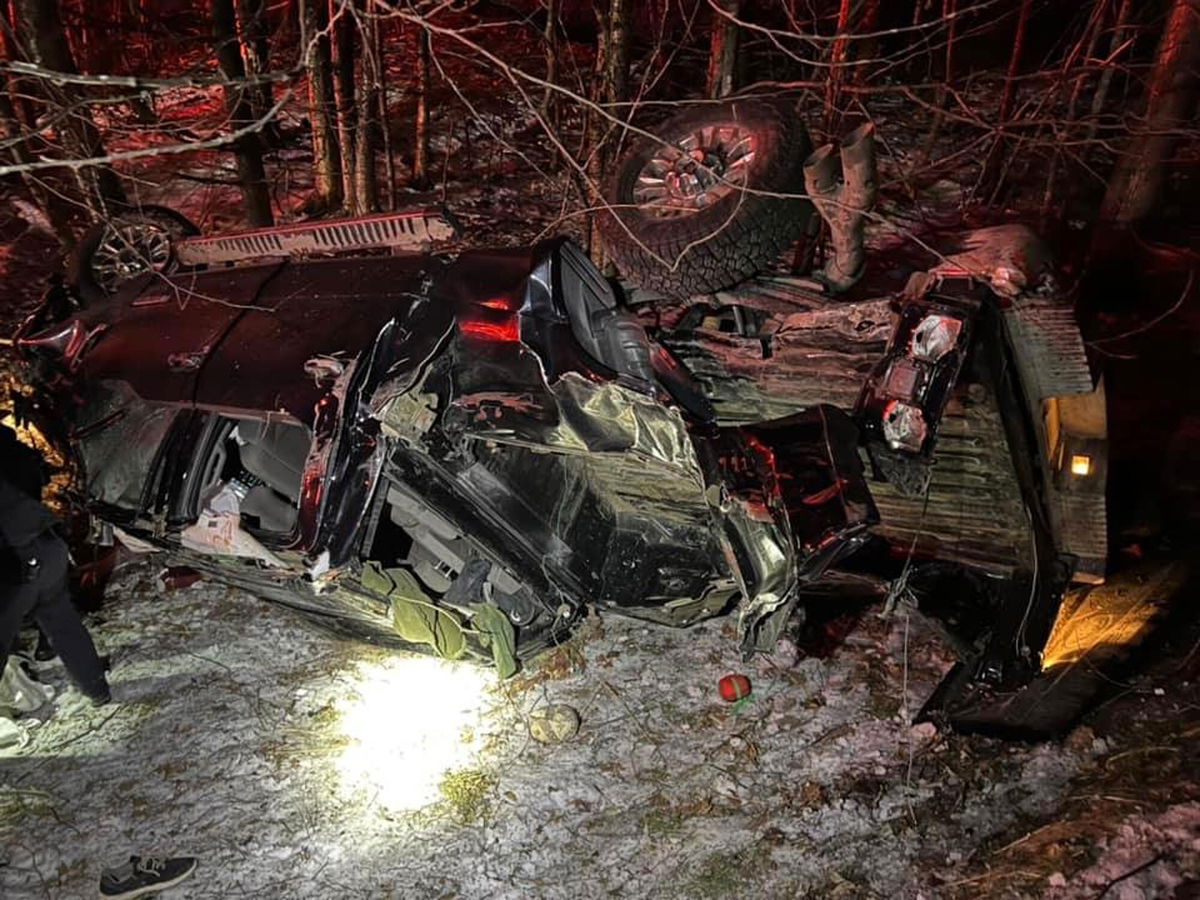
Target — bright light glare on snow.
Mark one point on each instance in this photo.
(406, 728)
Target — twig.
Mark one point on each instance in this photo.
(1157, 748)
(1022, 840)
(209, 144)
(1143, 867)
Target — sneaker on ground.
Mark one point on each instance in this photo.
(144, 875)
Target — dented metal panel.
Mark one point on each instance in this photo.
(159, 332)
(328, 310)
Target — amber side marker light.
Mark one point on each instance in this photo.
(1081, 465)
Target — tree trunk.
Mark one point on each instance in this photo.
(344, 27)
(327, 157)
(252, 176)
(594, 129)
(1106, 76)
(1136, 185)
(550, 39)
(50, 203)
(252, 17)
(420, 170)
(837, 61)
(45, 44)
(722, 51)
(867, 47)
(1014, 63)
(366, 186)
(616, 59)
(949, 13)
(612, 77)
(381, 107)
(20, 89)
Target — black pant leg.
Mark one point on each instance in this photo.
(60, 620)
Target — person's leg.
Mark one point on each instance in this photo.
(61, 623)
(44, 649)
(16, 600)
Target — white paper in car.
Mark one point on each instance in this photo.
(133, 544)
(223, 533)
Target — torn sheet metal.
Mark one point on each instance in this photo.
(587, 417)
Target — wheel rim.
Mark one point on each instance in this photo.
(128, 249)
(695, 171)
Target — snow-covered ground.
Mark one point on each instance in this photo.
(295, 765)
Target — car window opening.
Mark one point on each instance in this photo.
(261, 470)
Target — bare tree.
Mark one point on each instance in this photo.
(1135, 188)
(611, 83)
(550, 39)
(327, 157)
(43, 42)
(366, 183)
(991, 179)
(48, 200)
(252, 19)
(723, 48)
(616, 60)
(345, 29)
(420, 169)
(837, 63)
(252, 176)
(381, 105)
(1106, 77)
(868, 24)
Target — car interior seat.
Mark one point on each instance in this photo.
(276, 453)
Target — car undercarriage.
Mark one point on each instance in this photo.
(462, 451)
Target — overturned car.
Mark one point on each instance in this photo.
(461, 451)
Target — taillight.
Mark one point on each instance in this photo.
(493, 319)
(502, 328)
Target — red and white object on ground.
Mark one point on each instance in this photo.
(734, 687)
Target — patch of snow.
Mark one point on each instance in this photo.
(1148, 857)
(298, 765)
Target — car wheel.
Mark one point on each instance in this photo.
(698, 210)
(126, 245)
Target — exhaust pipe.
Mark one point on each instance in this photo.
(843, 203)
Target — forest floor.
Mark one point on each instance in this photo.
(296, 765)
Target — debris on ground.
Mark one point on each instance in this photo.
(553, 724)
(361, 772)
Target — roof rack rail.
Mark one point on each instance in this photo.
(408, 231)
